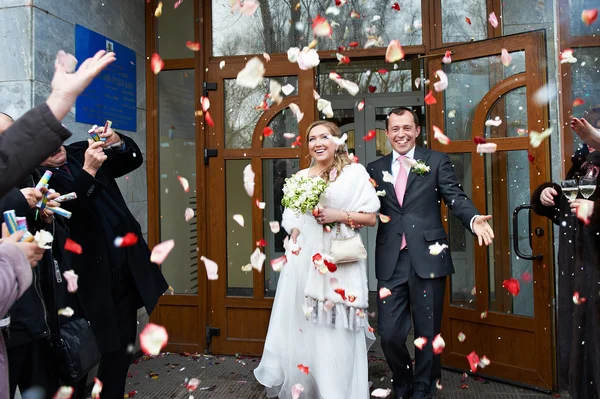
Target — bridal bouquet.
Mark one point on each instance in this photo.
(301, 194)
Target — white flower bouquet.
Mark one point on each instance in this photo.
(301, 194)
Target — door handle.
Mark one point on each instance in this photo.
(516, 234)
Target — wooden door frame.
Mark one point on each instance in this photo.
(539, 173)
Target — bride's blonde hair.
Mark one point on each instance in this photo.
(340, 158)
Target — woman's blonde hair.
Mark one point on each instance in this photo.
(340, 158)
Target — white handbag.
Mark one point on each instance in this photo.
(347, 250)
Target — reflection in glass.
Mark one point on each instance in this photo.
(469, 82)
(456, 28)
(372, 76)
(239, 239)
(511, 109)
(278, 25)
(275, 171)
(586, 86)
(461, 240)
(175, 27)
(177, 157)
(284, 122)
(507, 186)
(240, 113)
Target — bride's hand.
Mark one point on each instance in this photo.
(294, 235)
(328, 215)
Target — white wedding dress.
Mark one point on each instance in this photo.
(333, 343)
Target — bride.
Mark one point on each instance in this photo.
(319, 335)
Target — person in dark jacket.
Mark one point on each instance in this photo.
(113, 281)
(578, 316)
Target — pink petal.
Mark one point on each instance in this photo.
(420, 342)
(257, 259)
(438, 344)
(384, 292)
(486, 148)
(321, 27)
(205, 103)
(443, 82)
(278, 263)
(96, 389)
(505, 57)
(447, 57)
(161, 251)
(67, 61)
(156, 63)
(189, 214)
(184, 183)
(71, 278)
(297, 389)
(361, 105)
(394, 52)
(440, 136)
(493, 20)
(192, 384)
(153, 338)
(274, 226)
(212, 269)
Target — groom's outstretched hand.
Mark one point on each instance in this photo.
(483, 230)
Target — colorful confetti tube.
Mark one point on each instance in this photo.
(61, 212)
(107, 126)
(66, 197)
(42, 204)
(22, 226)
(10, 218)
(92, 132)
(44, 180)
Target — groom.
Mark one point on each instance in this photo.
(403, 262)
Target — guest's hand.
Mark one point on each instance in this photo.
(32, 251)
(32, 196)
(47, 213)
(94, 157)
(328, 215)
(483, 230)
(589, 134)
(586, 206)
(547, 196)
(294, 235)
(111, 137)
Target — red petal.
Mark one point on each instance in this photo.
(156, 63)
(341, 292)
(330, 266)
(429, 98)
(372, 89)
(353, 44)
(72, 246)
(267, 131)
(396, 6)
(578, 101)
(530, 157)
(589, 16)
(317, 257)
(128, 240)
(261, 243)
(373, 182)
(194, 46)
(479, 140)
(382, 71)
(526, 277)
(473, 361)
(468, 20)
(512, 286)
(208, 119)
(131, 394)
(370, 135)
(303, 368)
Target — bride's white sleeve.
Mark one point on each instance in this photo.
(366, 199)
(290, 220)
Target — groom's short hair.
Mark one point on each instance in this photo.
(401, 111)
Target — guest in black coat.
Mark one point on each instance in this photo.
(113, 281)
(578, 324)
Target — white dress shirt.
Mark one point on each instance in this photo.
(396, 169)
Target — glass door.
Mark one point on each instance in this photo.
(488, 100)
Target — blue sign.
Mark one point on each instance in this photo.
(112, 95)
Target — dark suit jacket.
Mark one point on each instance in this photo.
(420, 216)
(99, 215)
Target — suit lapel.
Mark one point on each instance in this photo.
(421, 154)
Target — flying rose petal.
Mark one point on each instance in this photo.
(194, 46)
(267, 131)
(578, 102)
(153, 338)
(384, 218)
(189, 214)
(247, 268)
(72, 246)
(212, 269)
(252, 74)
(494, 122)
(343, 59)
(239, 219)
(354, 14)
(493, 19)
(347, 85)
(249, 180)
(526, 277)
(396, 7)
(96, 389)
(257, 259)
(339, 140)
(303, 368)
(505, 57)
(447, 57)
(483, 315)
(71, 278)
(289, 136)
(288, 89)
(325, 107)
(321, 27)
(387, 177)
(384, 292)
(296, 111)
(484, 362)
(297, 389)
(127, 240)
(380, 193)
(308, 58)
(544, 94)
(208, 119)
(473, 361)
(184, 183)
(371, 134)
(420, 342)
(578, 300)
(247, 9)
(566, 56)
(589, 16)
(156, 63)
(278, 263)
(161, 251)
(43, 239)
(221, 64)
(205, 103)
(468, 20)
(158, 10)
(437, 249)
(438, 344)
(512, 286)
(394, 52)
(192, 384)
(260, 205)
(66, 312)
(380, 392)
(461, 337)
(430, 98)
(443, 82)
(361, 105)
(583, 211)
(64, 392)
(67, 61)
(440, 136)
(535, 138)
(452, 114)
(333, 11)
(486, 148)
(275, 91)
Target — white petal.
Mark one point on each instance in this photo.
(387, 177)
(257, 259)
(212, 269)
(288, 89)
(161, 251)
(252, 74)
(239, 219)
(249, 180)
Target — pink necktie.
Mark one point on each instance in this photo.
(400, 188)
